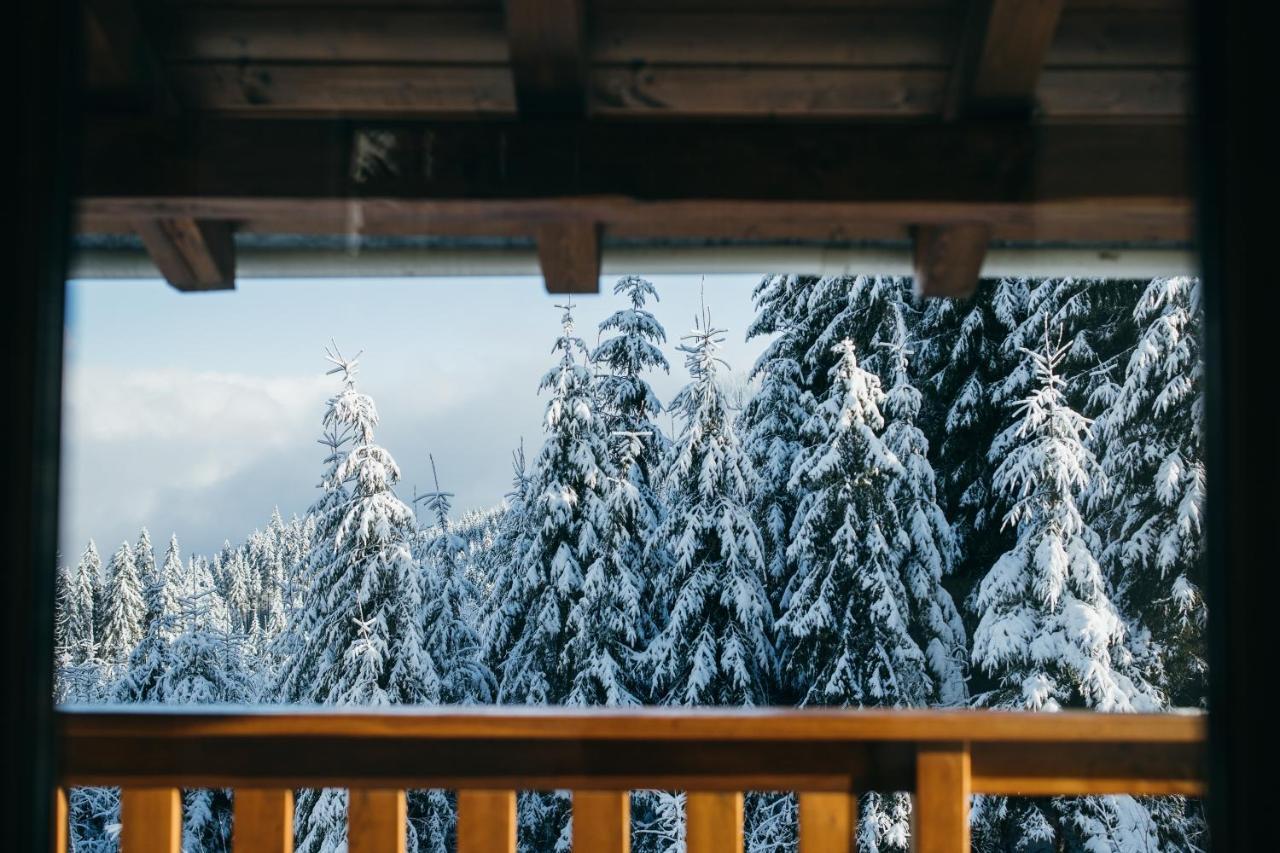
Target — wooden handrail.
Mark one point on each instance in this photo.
(715, 754)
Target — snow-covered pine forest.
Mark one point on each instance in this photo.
(993, 502)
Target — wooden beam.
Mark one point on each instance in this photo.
(940, 816)
(377, 820)
(714, 822)
(602, 821)
(191, 254)
(948, 258)
(122, 66)
(828, 821)
(548, 57)
(614, 750)
(1063, 183)
(1002, 51)
(263, 821)
(150, 820)
(61, 820)
(486, 821)
(569, 253)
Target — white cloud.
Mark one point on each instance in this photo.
(106, 404)
(169, 447)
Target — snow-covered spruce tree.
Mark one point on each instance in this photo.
(1152, 444)
(151, 658)
(452, 643)
(715, 647)
(123, 608)
(207, 666)
(630, 410)
(876, 319)
(449, 599)
(363, 642)
(81, 643)
(770, 424)
(1049, 636)
(564, 517)
(845, 637)
(497, 614)
(606, 623)
(960, 362)
(1094, 320)
(144, 555)
(564, 513)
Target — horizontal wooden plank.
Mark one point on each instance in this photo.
(828, 5)
(326, 34)
(867, 93)
(767, 91)
(1088, 37)
(752, 750)
(1003, 768)
(353, 90)
(855, 38)
(887, 38)
(475, 168)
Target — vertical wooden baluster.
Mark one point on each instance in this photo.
(941, 810)
(713, 822)
(376, 820)
(61, 824)
(150, 820)
(602, 822)
(263, 820)
(486, 822)
(828, 820)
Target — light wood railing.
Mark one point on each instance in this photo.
(487, 754)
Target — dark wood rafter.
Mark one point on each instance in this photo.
(672, 180)
(124, 68)
(1001, 55)
(1002, 50)
(548, 40)
(191, 254)
(569, 254)
(947, 259)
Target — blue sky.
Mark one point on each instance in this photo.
(198, 413)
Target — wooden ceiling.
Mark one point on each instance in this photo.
(953, 122)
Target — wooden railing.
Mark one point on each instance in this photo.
(714, 755)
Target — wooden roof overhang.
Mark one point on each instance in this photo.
(950, 123)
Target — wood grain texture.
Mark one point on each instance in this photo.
(569, 254)
(150, 820)
(940, 814)
(329, 34)
(548, 40)
(61, 820)
(948, 258)
(828, 821)
(709, 751)
(486, 821)
(376, 820)
(646, 725)
(601, 822)
(713, 822)
(191, 254)
(263, 820)
(1001, 54)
